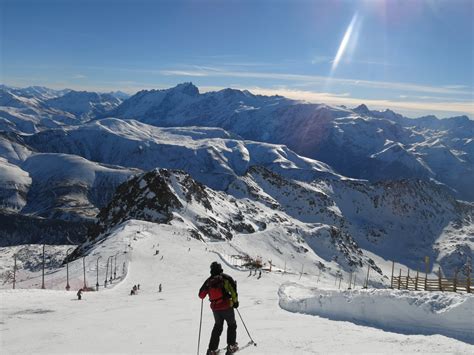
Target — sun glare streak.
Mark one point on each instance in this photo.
(344, 42)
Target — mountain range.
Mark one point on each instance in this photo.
(356, 186)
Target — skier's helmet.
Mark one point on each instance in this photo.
(216, 268)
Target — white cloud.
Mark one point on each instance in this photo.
(403, 106)
(413, 108)
(316, 79)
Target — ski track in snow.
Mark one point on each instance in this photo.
(112, 321)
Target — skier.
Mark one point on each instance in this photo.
(159, 288)
(135, 289)
(222, 291)
(132, 292)
(260, 274)
(79, 294)
(138, 287)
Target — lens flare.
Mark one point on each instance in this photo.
(344, 42)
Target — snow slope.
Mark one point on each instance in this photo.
(14, 185)
(112, 321)
(69, 187)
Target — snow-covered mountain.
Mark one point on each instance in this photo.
(119, 95)
(83, 104)
(345, 221)
(57, 186)
(252, 186)
(36, 92)
(35, 108)
(69, 173)
(359, 143)
(211, 155)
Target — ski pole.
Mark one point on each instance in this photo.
(254, 343)
(200, 324)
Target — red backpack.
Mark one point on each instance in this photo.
(217, 293)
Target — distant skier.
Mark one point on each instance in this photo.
(132, 292)
(222, 291)
(138, 287)
(161, 257)
(135, 289)
(79, 294)
(260, 274)
(159, 288)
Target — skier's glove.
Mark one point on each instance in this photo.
(236, 304)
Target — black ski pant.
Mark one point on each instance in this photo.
(227, 315)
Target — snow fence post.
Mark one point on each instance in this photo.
(115, 265)
(106, 273)
(439, 279)
(400, 278)
(455, 280)
(416, 280)
(14, 270)
(67, 270)
(427, 265)
(42, 278)
(391, 280)
(408, 277)
(367, 278)
(84, 267)
(97, 269)
(468, 280)
(350, 281)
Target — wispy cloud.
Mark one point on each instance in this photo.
(78, 76)
(317, 80)
(447, 107)
(318, 59)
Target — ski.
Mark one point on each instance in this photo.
(223, 351)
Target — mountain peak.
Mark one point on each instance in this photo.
(362, 109)
(187, 88)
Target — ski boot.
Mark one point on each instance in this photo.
(232, 349)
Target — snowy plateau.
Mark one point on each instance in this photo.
(157, 185)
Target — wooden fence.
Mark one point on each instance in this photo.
(420, 283)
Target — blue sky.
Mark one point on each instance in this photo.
(415, 57)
